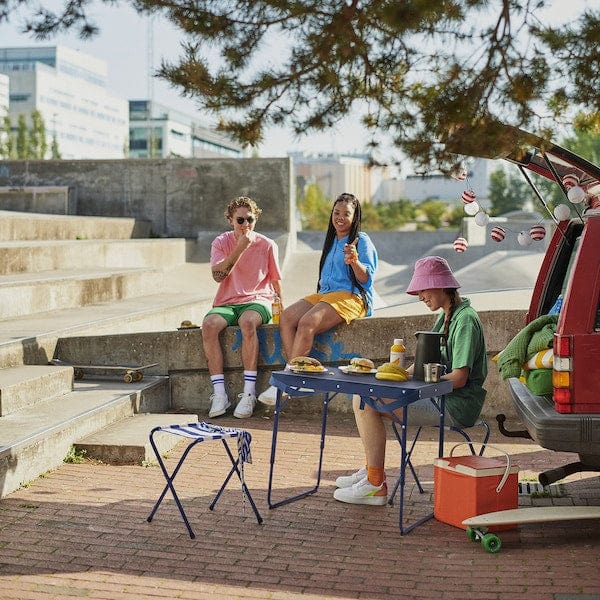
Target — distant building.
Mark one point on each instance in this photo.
(69, 89)
(156, 131)
(4, 88)
(389, 190)
(440, 187)
(336, 173)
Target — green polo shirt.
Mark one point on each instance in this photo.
(465, 347)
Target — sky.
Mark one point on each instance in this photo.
(123, 44)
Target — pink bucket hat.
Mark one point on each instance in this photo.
(431, 272)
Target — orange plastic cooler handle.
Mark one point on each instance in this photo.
(507, 470)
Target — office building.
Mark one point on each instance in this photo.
(441, 187)
(337, 173)
(69, 89)
(156, 131)
(4, 87)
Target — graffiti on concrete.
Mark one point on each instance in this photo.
(325, 347)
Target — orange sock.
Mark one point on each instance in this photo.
(375, 475)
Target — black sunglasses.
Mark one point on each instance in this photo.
(240, 220)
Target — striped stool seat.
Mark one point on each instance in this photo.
(205, 432)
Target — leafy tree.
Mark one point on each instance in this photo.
(7, 139)
(434, 210)
(22, 137)
(314, 208)
(37, 136)
(455, 216)
(370, 218)
(436, 76)
(509, 192)
(394, 215)
(54, 149)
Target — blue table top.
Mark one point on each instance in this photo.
(333, 380)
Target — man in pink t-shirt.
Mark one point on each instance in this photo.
(245, 265)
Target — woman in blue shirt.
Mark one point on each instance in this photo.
(345, 286)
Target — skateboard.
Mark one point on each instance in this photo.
(477, 527)
(130, 373)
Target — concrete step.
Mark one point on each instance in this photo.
(37, 438)
(15, 225)
(22, 387)
(38, 256)
(33, 339)
(127, 441)
(27, 294)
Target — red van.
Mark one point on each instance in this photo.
(569, 279)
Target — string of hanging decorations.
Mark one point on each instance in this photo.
(575, 193)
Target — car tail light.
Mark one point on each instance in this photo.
(562, 380)
(562, 345)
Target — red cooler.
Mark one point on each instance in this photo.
(467, 486)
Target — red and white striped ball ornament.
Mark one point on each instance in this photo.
(569, 180)
(497, 234)
(460, 175)
(460, 244)
(537, 232)
(468, 196)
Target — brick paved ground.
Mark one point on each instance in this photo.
(81, 532)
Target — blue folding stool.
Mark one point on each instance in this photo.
(204, 432)
(469, 441)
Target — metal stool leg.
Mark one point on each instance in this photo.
(486, 436)
(235, 469)
(169, 486)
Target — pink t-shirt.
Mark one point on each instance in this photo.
(251, 277)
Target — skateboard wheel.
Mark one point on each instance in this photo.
(491, 543)
(138, 376)
(128, 378)
(471, 534)
(78, 373)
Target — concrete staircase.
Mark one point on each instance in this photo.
(63, 276)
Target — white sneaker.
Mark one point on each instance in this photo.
(219, 403)
(269, 396)
(347, 480)
(245, 406)
(363, 492)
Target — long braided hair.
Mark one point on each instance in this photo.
(330, 236)
(454, 296)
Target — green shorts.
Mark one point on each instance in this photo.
(232, 312)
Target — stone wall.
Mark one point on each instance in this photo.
(180, 197)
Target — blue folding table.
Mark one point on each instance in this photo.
(372, 391)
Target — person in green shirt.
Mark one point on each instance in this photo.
(463, 353)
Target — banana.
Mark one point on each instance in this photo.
(391, 376)
(391, 372)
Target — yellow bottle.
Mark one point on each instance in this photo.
(276, 309)
(397, 352)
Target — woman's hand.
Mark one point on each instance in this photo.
(351, 253)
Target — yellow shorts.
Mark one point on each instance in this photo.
(349, 306)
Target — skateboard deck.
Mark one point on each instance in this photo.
(130, 373)
(477, 526)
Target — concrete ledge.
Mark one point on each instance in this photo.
(16, 225)
(22, 387)
(179, 354)
(127, 442)
(32, 257)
